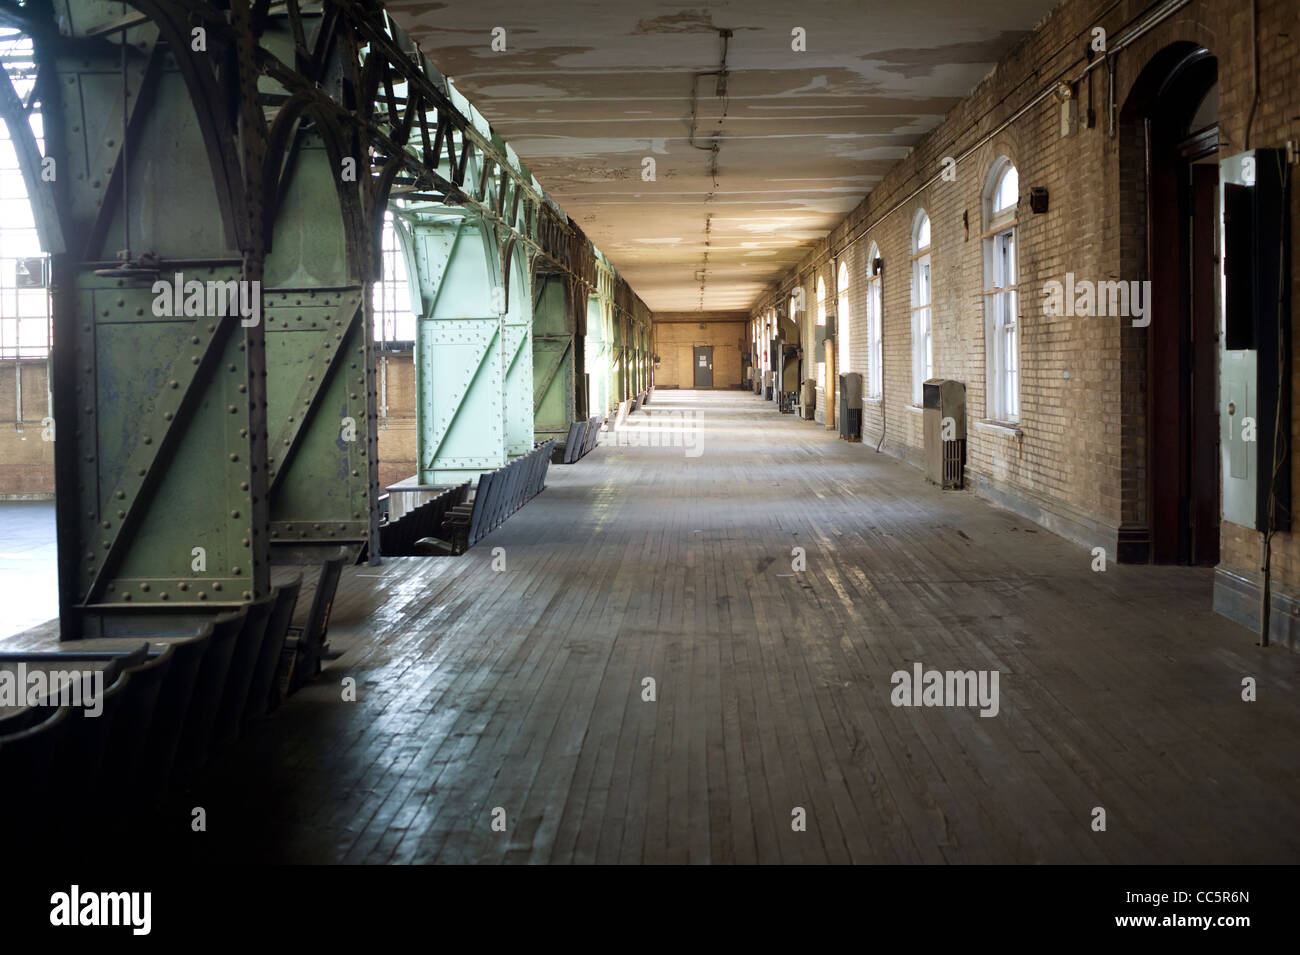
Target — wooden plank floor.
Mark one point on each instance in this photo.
(522, 688)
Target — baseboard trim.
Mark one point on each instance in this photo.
(1236, 596)
(1134, 545)
(1060, 519)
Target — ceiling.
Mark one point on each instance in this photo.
(586, 92)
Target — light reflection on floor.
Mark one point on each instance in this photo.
(28, 570)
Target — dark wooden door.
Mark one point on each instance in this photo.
(1183, 435)
(703, 366)
(1203, 386)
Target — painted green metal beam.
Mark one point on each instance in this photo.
(554, 344)
(159, 390)
(203, 150)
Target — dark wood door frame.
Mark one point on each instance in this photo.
(1182, 351)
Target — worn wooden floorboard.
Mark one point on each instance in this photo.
(521, 689)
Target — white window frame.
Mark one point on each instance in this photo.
(842, 319)
(1001, 297)
(821, 322)
(875, 384)
(922, 306)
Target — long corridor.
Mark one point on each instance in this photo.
(769, 579)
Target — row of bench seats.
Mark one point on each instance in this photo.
(399, 538)
(499, 494)
(582, 438)
(169, 703)
(627, 406)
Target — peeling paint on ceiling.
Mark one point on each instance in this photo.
(585, 91)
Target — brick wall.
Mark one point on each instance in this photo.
(1076, 463)
(677, 334)
(397, 434)
(26, 459)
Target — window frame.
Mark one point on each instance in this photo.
(821, 323)
(875, 330)
(393, 294)
(1001, 294)
(922, 305)
(842, 349)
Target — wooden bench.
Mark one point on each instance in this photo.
(305, 647)
(499, 494)
(263, 692)
(415, 532)
(196, 738)
(582, 438)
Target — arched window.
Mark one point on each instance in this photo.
(1001, 318)
(874, 385)
(821, 321)
(842, 319)
(922, 318)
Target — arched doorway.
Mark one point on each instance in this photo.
(1169, 171)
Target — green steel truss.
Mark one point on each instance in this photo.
(554, 334)
(196, 444)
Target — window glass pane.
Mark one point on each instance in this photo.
(24, 299)
(1008, 190)
(391, 297)
(923, 233)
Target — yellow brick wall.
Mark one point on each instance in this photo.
(675, 340)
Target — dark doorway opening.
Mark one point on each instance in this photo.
(1172, 118)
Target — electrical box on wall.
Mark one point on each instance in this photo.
(1255, 336)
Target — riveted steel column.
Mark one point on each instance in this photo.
(553, 366)
(460, 363)
(159, 375)
(323, 436)
(517, 356)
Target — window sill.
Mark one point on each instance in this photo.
(998, 427)
(917, 408)
(873, 401)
